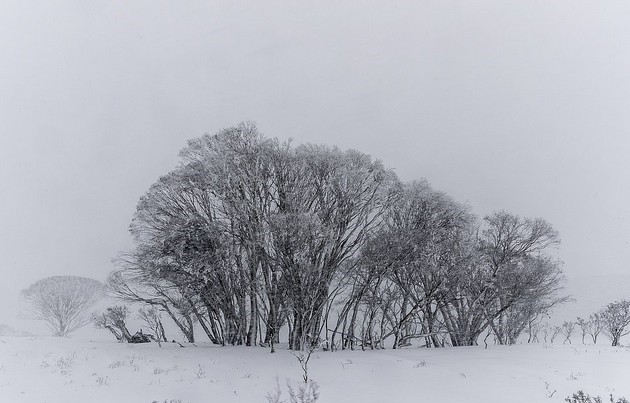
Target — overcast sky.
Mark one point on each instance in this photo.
(522, 106)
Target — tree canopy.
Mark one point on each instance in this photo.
(249, 235)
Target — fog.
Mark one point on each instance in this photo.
(515, 106)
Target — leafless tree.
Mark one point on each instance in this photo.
(584, 327)
(616, 318)
(555, 331)
(135, 285)
(567, 330)
(63, 302)
(153, 320)
(545, 329)
(534, 327)
(596, 325)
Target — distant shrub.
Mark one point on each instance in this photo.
(101, 381)
(200, 371)
(116, 364)
(581, 397)
(65, 364)
(305, 393)
(158, 370)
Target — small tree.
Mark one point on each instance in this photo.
(616, 318)
(567, 330)
(555, 331)
(63, 302)
(584, 326)
(113, 319)
(533, 328)
(595, 326)
(153, 319)
(545, 329)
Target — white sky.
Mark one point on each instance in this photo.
(522, 106)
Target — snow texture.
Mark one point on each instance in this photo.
(66, 370)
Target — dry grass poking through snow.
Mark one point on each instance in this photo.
(66, 371)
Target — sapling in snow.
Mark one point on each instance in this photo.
(567, 330)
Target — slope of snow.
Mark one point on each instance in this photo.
(67, 370)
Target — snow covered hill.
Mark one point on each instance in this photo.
(67, 370)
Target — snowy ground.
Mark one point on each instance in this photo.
(67, 370)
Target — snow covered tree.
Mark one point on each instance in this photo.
(407, 266)
(520, 282)
(330, 202)
(238, 171)
(113, 319)
(250, 234)
(252, 231)
(616, 318)
(63, 302)
(425, 273)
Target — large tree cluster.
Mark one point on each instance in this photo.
(250, 238)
